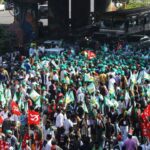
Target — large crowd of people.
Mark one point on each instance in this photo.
(84, 103)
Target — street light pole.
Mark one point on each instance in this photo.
(92, 10)
(70, 15)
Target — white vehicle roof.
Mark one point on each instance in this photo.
(52, 41)
(44, 5)
(145, 38)
(54, 49)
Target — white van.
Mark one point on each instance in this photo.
(53, 47)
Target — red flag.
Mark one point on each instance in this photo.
(89, 54)
(145, 125)
(33, 117)
(15, 108)
(4, 145)
(147, 111)
(1, 119)
(25, 138)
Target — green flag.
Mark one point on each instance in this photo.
(71, 95)
(38, 102)
(93, 101)
(2, 99)
(108, 102)
(1, 87)
(88, 78)
(34, 95)
(91, 88)
(15, 97)
(8, 95)
(146, 76)
(85, 108)
(67, 99)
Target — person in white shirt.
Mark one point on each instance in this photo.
(49, 142)
(59, 121)
(111, 83)
(80, 96)
(55, 76)
(14, 118)
(67, 124)
(32, 51)
(62, 74)
(42, 49)
(4, 113)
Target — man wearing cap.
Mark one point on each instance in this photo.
(12, 140)
(55, 75)
(62, 73)
(7, 124)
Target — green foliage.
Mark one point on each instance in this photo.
(7, 40)
(1, 1)
(136, 5)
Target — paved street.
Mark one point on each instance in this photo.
(6, 17)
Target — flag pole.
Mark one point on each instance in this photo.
(28, 128)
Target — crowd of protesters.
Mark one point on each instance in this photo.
(84, 103)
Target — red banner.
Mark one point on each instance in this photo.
(33, 117)
(25, 138)
(145, 125)
(15, 108)
(89, 54)
(1, 119)
(4, 145)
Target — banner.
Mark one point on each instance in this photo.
(69, 97)
(54, 64)
(4, 145)
(25, 138)
(91, 88)
(33, 117)
(145, 125)
(89, 54)
(88, 78)
(34, 95)
(1, 119)
(15, 108)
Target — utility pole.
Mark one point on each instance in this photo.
(92, 12)
(70, 16)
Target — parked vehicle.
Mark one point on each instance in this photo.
(145, 41)
(53, 43)
(43, 11)
(53, 47)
